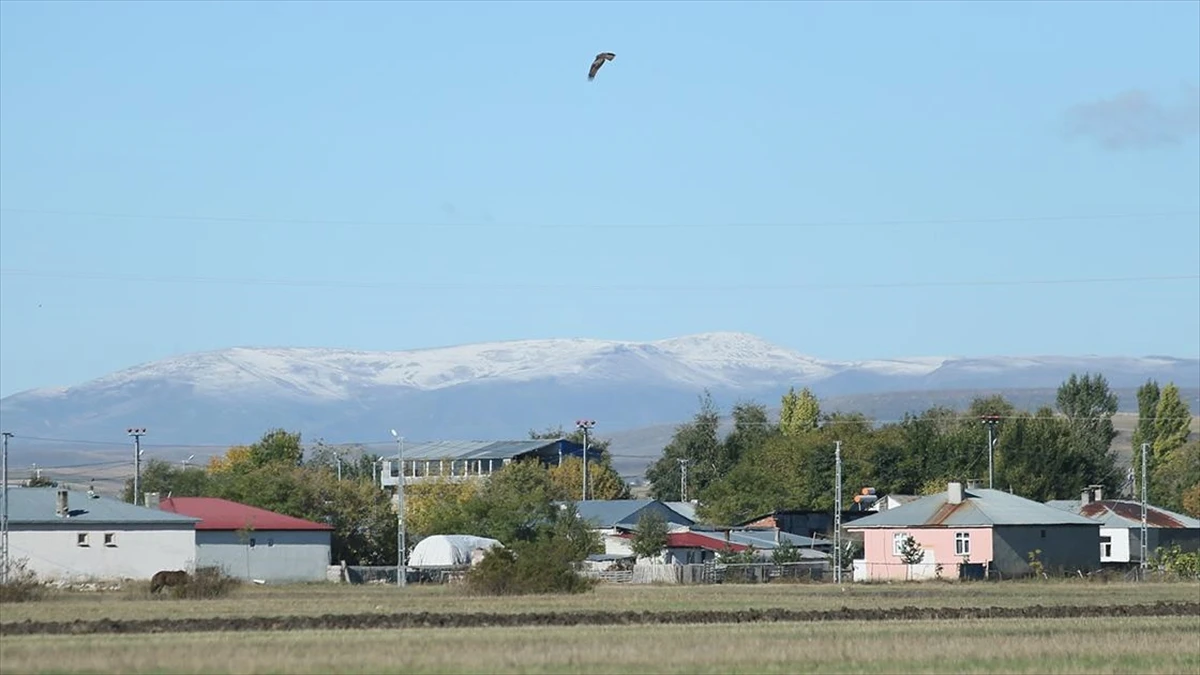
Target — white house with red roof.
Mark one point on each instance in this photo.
(253, 543)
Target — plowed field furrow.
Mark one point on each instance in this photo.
(472, 620)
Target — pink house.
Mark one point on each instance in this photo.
(974, 532)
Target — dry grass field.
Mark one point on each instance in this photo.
(1117, 645)
(317, 599)
(1080, 645)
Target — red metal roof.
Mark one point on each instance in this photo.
(222, 514)
(1131, 511)
(694, 540)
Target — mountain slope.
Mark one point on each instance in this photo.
(503, 389)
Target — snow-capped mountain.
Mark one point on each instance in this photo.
(504, 389)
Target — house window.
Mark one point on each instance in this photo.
(1043, 534)
(81, 539)
(962, 543)
(110, 539)
(1106, 546)
(253, 541)
(898, 542)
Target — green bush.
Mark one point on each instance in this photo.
(21, 584)
(546, 562)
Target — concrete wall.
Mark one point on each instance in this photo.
(1064, 548)
(272, 555)
(106, 553)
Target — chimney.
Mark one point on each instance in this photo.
(61, 508)
(152, 500)
(972, 484)
(1086, 497)
(1098, 491)
(954, 493)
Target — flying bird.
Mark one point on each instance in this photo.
(600, 59)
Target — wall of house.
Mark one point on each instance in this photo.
(688, 556)
(112, 552)
(614, 544)
(1119, 544)
(1064, 548)
(880, 560)
(271, 555)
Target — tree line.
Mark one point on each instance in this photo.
(1049, 453)
(274, 474)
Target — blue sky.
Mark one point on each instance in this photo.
(424, 174)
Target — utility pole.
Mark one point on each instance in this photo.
(137, 460)
(1145, 565)
(990, 421)
(401, 567)
(4, 515)
(837, 513)
(338, 457)
(683, 464)
(585, 426)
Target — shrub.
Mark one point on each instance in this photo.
(22, 584)
(205, 584)
(545, 563)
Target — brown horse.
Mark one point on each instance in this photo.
(165, 578)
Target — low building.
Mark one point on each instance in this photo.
(252, 543)
(612, 517)
(458, 460)
(803, 522)
(70, 535)
(1121, 526)
(975, 532)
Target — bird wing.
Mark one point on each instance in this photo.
(600, 59)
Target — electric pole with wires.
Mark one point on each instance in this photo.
(990, 421)
(137, 460)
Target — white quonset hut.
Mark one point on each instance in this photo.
(69, 535)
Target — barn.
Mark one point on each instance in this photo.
(253, 543)
(70, 535)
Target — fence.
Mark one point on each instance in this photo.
(712, 573)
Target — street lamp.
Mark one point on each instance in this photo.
(585, 426)
(401, 571)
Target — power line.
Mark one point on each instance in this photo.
(633, 288)
(608, 226)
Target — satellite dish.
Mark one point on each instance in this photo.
(395, 434)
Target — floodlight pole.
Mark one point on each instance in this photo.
(137, 460)
(837, 513)
(990, 421)
(1145, 565)
(4, 515)
(401, 567)
(683, 465)
(585, 426)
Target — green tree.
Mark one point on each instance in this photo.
(1089, 406)
(1148, 396)
(697, 442)
(277, 446)
(1172, 423)
(1035, 457)
(799, 413)
(1175, 477)
(168, 479)
(651, 536)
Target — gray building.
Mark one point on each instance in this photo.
(252, 543)
(1121, 526)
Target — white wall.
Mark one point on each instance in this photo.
(135, 552)
(275, 556)
(1122, 539)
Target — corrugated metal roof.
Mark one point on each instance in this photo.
(612, 512)
(1126, 513)
(764, 540)
(685, 509)
(222, 514)
(437, 450)
(36, 506)
(980, 507)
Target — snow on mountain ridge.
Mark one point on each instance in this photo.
(327, 373)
